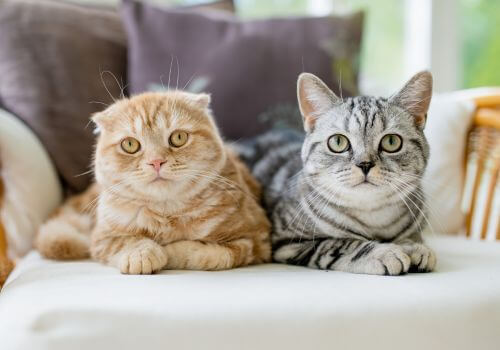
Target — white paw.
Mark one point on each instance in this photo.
(144, 259)
(423, 259)
(387, 259)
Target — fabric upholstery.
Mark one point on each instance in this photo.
(249, 67)
(84, 305)
(448, 122)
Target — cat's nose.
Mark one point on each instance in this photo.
(365, 166)
(157, 163)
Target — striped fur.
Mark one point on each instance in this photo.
(324, 213)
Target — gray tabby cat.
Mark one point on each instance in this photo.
(347, 196)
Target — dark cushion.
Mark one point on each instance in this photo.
(249, 67)
(54, 63)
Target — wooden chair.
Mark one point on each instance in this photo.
(482, 164)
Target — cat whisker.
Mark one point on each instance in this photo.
(217, 178)
(419, 197)
(406, 195)
(117, 83)
(178, 73)
(85, 173)
(216, 182)
(99, 102)
(402, 197)
(170, 70)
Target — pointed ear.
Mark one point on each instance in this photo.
(314, 98)
(415, 97)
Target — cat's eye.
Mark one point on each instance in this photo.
(391, 143)
(338, 143)
(130, 145)
(178, 138)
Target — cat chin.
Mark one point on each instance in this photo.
(362, 190)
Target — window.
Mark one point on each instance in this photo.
(479, 27)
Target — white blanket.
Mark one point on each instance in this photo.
(83, 305)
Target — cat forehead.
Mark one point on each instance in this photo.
(364, 108)
(365, 115)
(156, 114)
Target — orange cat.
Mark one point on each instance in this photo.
(169, 194)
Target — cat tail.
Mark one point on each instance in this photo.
(66, 235)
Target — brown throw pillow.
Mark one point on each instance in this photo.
(52, 56)
(249, 67)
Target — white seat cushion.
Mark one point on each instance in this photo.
(83, 305)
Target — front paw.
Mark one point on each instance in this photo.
(387, 259)
(423, 258)
(144, 258)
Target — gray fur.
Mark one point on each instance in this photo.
(323, 215)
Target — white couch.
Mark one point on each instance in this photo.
(84, 305)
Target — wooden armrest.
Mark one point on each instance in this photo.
(492, 100)
(488, 117)
(482, 97)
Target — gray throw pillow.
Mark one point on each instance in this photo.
(249, 67)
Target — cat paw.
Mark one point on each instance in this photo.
(423, 258)
(144, 259)
(388, 259)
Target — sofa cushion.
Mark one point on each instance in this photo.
(55, 305)
(448, 123)
(249, 67)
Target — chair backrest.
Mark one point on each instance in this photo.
(481, 197)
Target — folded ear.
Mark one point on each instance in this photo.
(415, 97)
(203, 100)
(102, 121)
(199, 100)
(314, 98)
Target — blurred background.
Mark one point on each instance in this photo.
(459, 40)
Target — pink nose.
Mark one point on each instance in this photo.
(157, 163)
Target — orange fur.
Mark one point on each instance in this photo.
(6, 265)
(200, 211)
(66, 235)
